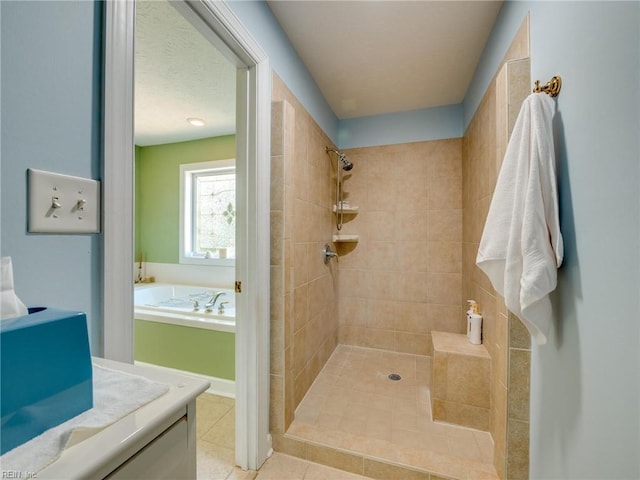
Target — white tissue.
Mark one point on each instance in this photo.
(10, 304)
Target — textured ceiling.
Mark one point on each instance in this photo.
(375, 57)
(367, 57)
(178, 74)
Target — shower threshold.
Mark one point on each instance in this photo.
(356, 418)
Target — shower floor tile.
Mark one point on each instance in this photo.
(354, 406)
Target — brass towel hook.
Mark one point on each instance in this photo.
(552, 87)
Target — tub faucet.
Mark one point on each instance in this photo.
(212, 301)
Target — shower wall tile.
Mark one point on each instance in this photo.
(410, 229)
(444, 225)
(409, 317)
(354, 311)
(411, 342)
(444, 257)
(444, 288)
(483, 147)
(304, 320)
(518, 397)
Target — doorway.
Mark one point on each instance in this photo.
(220, 26)
(185, 208)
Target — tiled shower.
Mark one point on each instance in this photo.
(420, 212)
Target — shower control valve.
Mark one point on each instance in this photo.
(328, 254)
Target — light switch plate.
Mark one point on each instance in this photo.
(62, 203)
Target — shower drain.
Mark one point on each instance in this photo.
(394, 377)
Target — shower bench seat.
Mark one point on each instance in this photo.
(460, 381)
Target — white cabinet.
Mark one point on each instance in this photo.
(167, 457)
(156, 441)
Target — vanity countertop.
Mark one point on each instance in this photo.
(101, 454)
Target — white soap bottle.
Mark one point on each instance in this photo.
(475, 325)
(469, 312)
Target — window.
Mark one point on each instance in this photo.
(208, 213)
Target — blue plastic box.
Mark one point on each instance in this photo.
(46, 373)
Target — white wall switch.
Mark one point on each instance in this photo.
(62, 203)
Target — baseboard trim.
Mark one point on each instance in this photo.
(219, 386)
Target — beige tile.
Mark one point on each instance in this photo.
(209, 414)
(409, 342)
(411, 286)
(444, 225)
(335, 458)
(519, 336)
(381, 313)
(468, 380)
(213, 461)
(485, 444)
(238, 474)
(457, 343)
(379, 338)
(321, 472)
(444, 257)
(445, 318)
(223, 432)
(444, 288)
(281, 466)
(365, 427)
(289, 446)
(460, 414)
(276, 405)
(411, 317)
(277, 128)
(463, 444)
(409, 225)
(411, 255)
(518, 392)
(436, 463)
(444, 193)
(517, 467)
(517, 439)
(385, 471)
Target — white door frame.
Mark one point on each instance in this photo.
(253, 442)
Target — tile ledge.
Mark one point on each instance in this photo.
(457, 343)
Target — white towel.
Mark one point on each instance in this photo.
(115, 394)
(521, 246)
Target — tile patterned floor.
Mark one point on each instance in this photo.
(215, 429)
(285, 467)
(354, 406)
(216, 432)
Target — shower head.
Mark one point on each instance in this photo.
(346, 164)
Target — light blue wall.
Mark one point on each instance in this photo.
(415, 126)
(264, 28)
(50, 120)
(585, 397)
(403, 127)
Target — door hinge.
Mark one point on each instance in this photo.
(238, 286)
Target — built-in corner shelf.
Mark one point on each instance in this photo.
(347, 210)
(345, 238)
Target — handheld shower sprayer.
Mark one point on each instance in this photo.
(346, 165)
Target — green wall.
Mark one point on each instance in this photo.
(196, 350)
(158, 192)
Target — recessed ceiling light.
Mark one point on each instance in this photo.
(196, 122)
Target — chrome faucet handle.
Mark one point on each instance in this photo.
(196, 304)
(221, 307)
(212, 301)
(328, 254)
